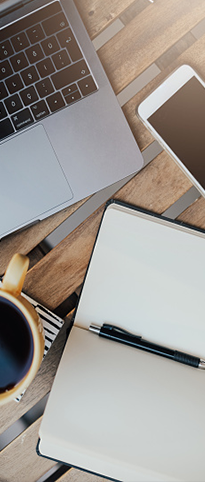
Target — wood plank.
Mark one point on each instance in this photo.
(98, 15)
(62, 270)
(40, 386)
(28, 466)
(26, 240)
(19, 461)
(134, 9)
(195, 214)
(35, 255)
(175, 51)
(147, 37)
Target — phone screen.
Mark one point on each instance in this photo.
(180, 121)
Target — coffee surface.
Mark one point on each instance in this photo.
(16, 345)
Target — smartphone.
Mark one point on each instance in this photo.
(175, 115)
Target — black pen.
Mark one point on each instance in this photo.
(122, 336)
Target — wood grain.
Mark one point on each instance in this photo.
(28, 466)
(177, 49)
(195, 214)
(134, 9)
(19, 461)
(26, 240)
(98, 15)
(147, 37)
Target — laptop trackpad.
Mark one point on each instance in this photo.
(31, 180)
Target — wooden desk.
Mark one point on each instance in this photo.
(146, 41)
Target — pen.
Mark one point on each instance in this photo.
(122, 336)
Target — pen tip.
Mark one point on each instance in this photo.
(202, 364)
(95, 329)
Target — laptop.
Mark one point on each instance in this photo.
(63, 135)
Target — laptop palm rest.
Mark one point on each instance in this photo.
(36, 186)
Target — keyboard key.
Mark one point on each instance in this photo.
(67, 40)
(13, 103)
(72, 97)
(40, 110)
(55, 101)
(6, 128)
(29, 95)
(19, 61)
(5, 70)
(35, 34)
(6, 50)
(3, 91)
(22, 119)
(14, 83)
(70, 74)
(69, 90)
(54, 24)
(61, 59)
(34, 53)
(30, 75)
(50, 45)
(44, 87)
(87, 85)
(45, 67)
(56, 64)
(20, 42)
(2, 111)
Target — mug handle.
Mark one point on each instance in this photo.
(15, 274)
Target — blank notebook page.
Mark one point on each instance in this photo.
(149, 277)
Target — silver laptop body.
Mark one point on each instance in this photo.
(62, 138)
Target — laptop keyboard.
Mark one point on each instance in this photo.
(42, 69)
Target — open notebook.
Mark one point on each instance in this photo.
(115, 410)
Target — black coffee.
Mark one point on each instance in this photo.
(16, 345)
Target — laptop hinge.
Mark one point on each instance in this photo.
(16, 6)
(13, 8)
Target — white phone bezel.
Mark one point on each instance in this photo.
(157, 98)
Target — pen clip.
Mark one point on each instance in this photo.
(120, 330)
